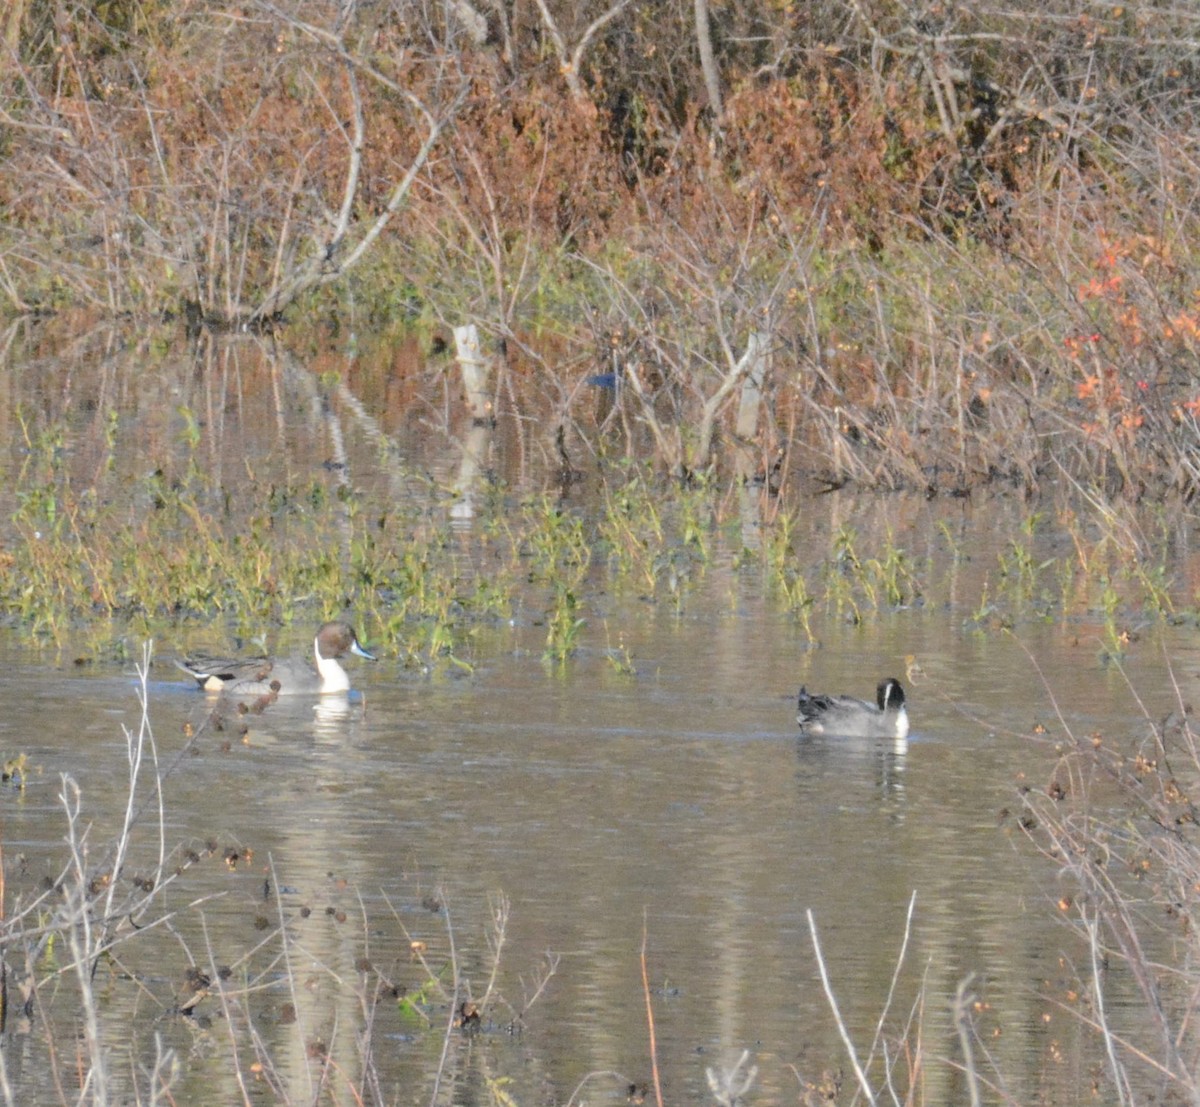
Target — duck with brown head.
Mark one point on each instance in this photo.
(258, 676)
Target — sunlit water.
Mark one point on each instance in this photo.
(673, 809)
(676, 807)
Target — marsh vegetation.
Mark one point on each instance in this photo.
(851, 316)
(266, 494)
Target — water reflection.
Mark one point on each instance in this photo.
(330, 714)
(830, 762)
(326, 849)
(466, 486)
(682, 801)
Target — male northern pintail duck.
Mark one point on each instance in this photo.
(886, 718)
(259, 676)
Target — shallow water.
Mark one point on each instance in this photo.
(679, 802)
(674, 808)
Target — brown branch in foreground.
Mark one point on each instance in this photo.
(650, 1019)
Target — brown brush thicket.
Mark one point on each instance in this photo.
(1118, 821)
(965, 231)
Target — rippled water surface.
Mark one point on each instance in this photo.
(676, 807)
(513, 815)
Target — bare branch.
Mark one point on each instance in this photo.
(571, 63)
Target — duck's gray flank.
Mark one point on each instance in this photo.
(835, 714)
(258, 676)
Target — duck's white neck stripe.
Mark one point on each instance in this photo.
(333, 676)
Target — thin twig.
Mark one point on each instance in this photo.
(1118, 1071)
(650, 1019)
(962, 1023)
(837, 1015)
(912, 904)
(437, 1079)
